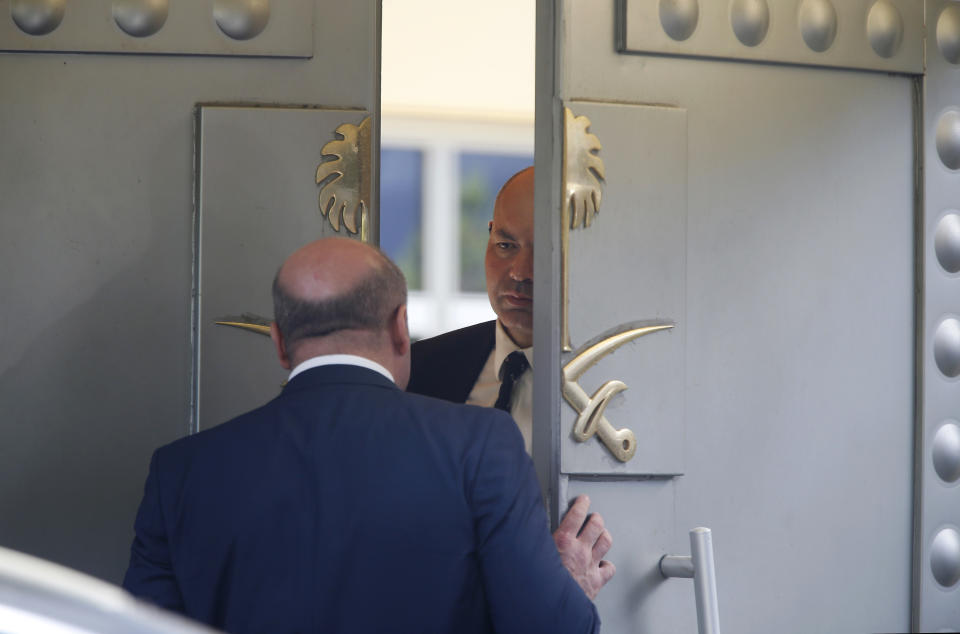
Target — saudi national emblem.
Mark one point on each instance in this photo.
(583, 178)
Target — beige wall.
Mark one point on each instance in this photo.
(458, 57)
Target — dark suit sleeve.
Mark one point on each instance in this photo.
(150, 575)
(527, 587)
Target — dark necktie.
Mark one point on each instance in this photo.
(512, 369)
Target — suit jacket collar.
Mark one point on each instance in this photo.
(328, 375)
(447, 366)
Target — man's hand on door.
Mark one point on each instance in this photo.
(582, 542)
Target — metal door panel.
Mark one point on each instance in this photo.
(258, 199)
(801, 328)
(938, 439)
(641, 278)
(96, 222)
(643, 517)
(179, 27)
(800, 334)
(865, 34)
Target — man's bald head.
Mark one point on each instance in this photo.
(336, 295)
(509, 258)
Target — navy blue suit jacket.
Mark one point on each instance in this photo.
(347, 505)
(447, 366)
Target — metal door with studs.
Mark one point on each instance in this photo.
(748, 266)
(159, 160)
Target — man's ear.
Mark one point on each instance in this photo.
(280, 345)
(490, 227)
(400, 331)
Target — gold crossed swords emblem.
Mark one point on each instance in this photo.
(590, 420)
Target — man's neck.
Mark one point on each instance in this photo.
(505, 345)
(519, 344)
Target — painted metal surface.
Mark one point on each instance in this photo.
(140, 18)
(877, 35)
(629, 267)
(946, 242)
(97, 231)
(798, 318)
(699, 566)
(258, 203)
(241, 19)
(260, 28)
(704, 581)
(37, 17)
(937, 554)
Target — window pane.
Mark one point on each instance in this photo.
(481, 177)
(401, 210)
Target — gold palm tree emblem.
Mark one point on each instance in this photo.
(344, 179)
(583, 178)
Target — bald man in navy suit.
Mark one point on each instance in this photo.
(346, 504)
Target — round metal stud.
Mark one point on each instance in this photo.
(948, 34)
(948, 139)
(946, 347)
(37, 17)
(884, 28)
(946, 452)
(945, 557)
(946, 242)
(241, 19)
(679, 18)
(750, 20)
(818, 24)
(140, 18)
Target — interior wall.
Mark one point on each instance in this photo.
(462, 59)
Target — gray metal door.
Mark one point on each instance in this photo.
(158, 160)
(747, 263)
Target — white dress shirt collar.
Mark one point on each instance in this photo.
(340, 359)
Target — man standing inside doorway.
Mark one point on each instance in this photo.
(463, 366)
(490, 364)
